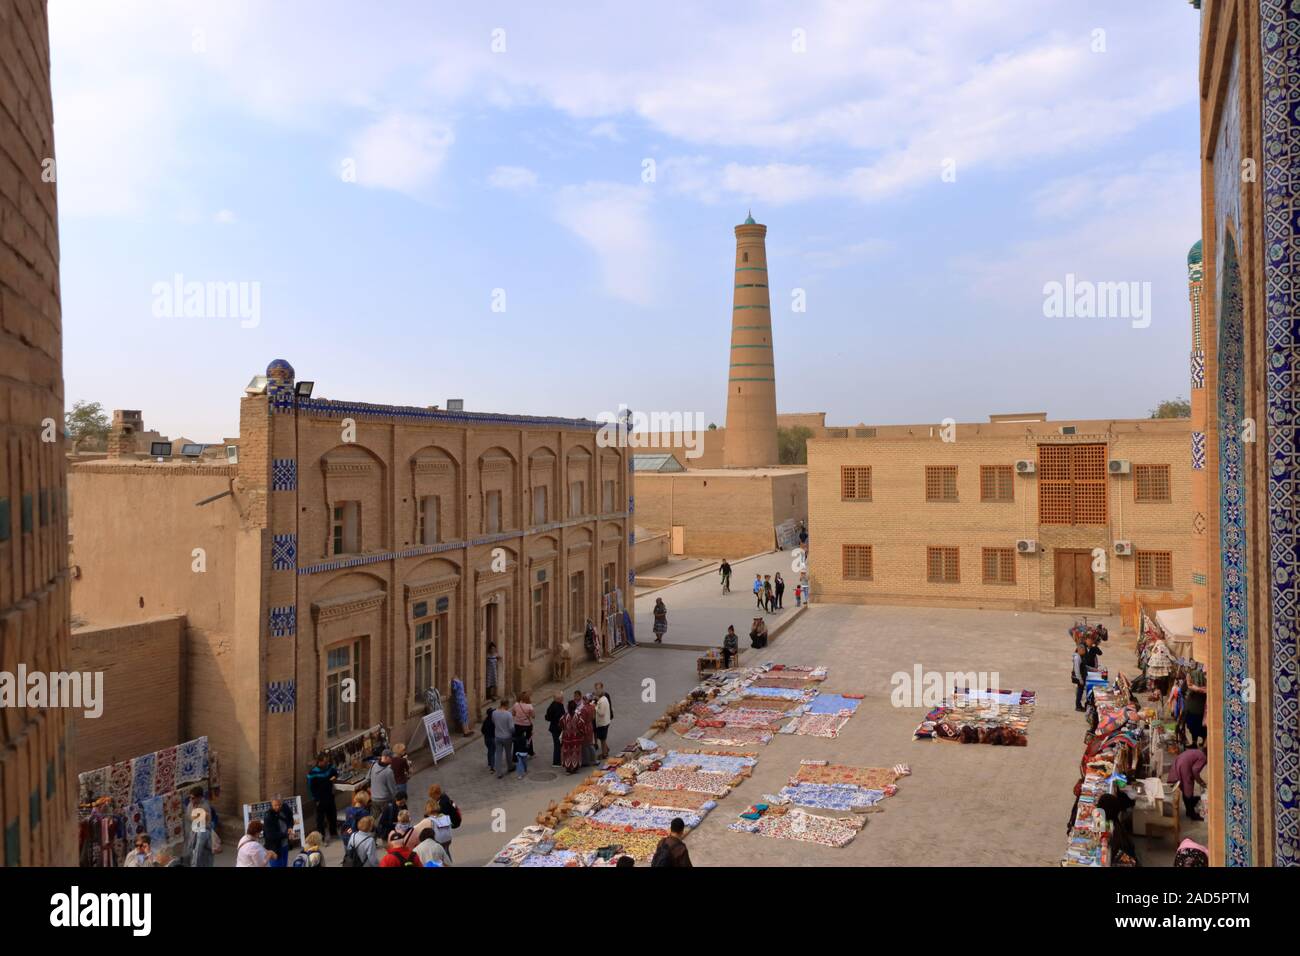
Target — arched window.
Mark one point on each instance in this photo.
(744, 257)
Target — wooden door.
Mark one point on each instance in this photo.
(1074, 581)
(679, 539)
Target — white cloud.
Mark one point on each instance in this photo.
(512, 177)
(882, 96)
(614, 221)
(223, 217)
(401, 151)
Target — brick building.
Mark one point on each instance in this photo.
(37, 822)
(353, 545)
(1010, 513)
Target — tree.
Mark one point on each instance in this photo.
(88, 424)
(1173, 408)
(713, 426)
(792, 444)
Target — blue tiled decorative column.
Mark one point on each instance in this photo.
(1234, 731)
(1280, 53)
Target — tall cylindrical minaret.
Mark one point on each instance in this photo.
(750, 439)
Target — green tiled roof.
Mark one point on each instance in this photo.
(1194, 255)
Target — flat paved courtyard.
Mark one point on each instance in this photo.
(698, 613)
(963, 805)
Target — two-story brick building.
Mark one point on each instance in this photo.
(348, 557)
(1017, 512)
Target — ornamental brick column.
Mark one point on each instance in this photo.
(750, 439)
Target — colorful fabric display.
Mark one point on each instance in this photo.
(832, 704)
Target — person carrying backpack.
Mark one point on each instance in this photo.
(399, 855)
(362, 850)
(310, 854)
(441, 806)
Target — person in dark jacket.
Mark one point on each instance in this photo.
(320, 784)
(554, 714)
(730, 647)
(489, 732)
(277, 825)
(388, 818)
(671, 850)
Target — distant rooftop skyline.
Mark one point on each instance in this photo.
(533, 209)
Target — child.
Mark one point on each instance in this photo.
(798, 594)
(758, 590)
(521, 751)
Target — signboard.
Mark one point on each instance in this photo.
(435, 726)
(255, 810)
(787, 535)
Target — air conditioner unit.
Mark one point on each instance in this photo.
(1025, 467)
(1118, 466)
(1124, 548)
(1027, 546)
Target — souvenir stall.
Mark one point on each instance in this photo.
(625, 807)
(847, 792)
(145, 794)
(750, 705)
(613, 622)
(353, 757)
(970, 716)
(1110, 761)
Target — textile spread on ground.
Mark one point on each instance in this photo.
(981, 717)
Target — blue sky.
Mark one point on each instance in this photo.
(209, 141)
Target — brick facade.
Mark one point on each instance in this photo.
(900, 524)
(37, 822)
(280, 611)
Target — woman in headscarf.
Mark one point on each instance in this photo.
(758, 633)
(588, 710)
(573, 734)
(591, 640)
(661, 620)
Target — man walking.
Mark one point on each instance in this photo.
(503, 723)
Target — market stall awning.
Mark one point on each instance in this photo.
(1176, 623)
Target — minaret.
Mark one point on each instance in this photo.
(750, 438)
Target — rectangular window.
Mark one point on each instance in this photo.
(940, 482)
(577, 601)
(542, 616)
(1072, 484)
(539, 505)
(426, 521)
(1155, 570)
(607, 496)
(1151, 482)
(492, 512)
(942, 566)
(997, 483)
(422, 660)
(999, 565)
(344, 686)
(577, 499)
(856, 562)
(855, 483)
(347, 527)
